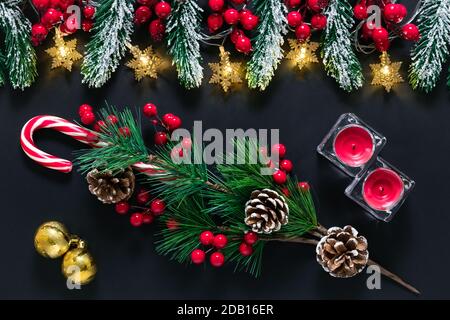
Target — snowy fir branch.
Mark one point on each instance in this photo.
(19, 55)
(432, 50)
(268, 51)
(183, 42)
(339, 59)
(108, 45)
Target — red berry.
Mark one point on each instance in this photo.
(156, 29)
(89, 12)
(172, 224)
(51, 17)
(220, 241)
(367, 29)
(122, 207)
(245, 249)
(162, 9)
(293, 3)
(171, 121)
(319, 21)
(157, 207)
(217, 259)
(87, 25)
(124, 132)
(244, 12)
(100, 126)
(150, 110)
(112, 119)
(360, 12)
(142, 15)
(238, 2)
(148, 3)
(41, 4)
(410, 32)
(186, 143)
(279, 177)
(382, 45)
(279, 150)
(286, 191)
(206, 238)
(54, 3)
(249, 21)
(39, 32)
(231, 16)
(315, 5)
(304, 186)
(286, 165)
(215, 22)
(380, 35)
(235, 34)
(136, 219)
(160, 138)
(294, 18)
(198, 256)
(302, 32)
(148, 218)
(243, 44)
(88, 118)
(143, 197)
(64, 4)
(216, 5)
(394, 12)
(251, 238)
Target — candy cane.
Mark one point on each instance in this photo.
(68, 128)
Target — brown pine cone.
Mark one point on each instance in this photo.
(109, 188)
(266, 211)
(342, 253)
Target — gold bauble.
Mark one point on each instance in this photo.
(78, 266)
(52, 239)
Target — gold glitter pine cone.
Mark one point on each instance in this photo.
(109, 188)
(266, 211)
(342, 253)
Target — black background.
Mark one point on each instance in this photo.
(303, 106)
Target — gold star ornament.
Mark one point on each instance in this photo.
(386, 73)
(302, 53)
(225, 73)
(145, 63)
(64, 53)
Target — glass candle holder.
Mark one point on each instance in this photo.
(351, 144)
(381, 189)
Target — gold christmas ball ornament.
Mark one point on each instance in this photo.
(78, 266)
(52, 240)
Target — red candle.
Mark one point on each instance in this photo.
(383, 189)
(354, 146)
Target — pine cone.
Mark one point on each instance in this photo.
(109, 188)
(342, 253)
(266, 211)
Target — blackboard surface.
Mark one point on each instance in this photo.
(304, 107)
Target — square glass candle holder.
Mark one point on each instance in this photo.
(381, 189)
(351, 144)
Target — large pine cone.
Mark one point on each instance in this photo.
(266, 211)
(342, 253)
(109, 188)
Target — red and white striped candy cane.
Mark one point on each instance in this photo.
(68, 128)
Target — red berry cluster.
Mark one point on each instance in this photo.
(145, 215)
(146, 9)
(246, 247)
(392, 14)
(207, 238)
(54, 12)
(301, 11)
(87, 118)
(168, 123)
(235, 15)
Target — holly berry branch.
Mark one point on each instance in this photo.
(229, 211)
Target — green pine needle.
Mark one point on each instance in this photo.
(121, 151)
(2, 66)
(183, 42)
(339, 59)
(111, 35)
(251, 264)
(20, 57)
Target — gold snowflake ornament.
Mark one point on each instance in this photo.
(225, 73)
(302, 53)
(386, 73)
(64, 53)
(145, 63)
